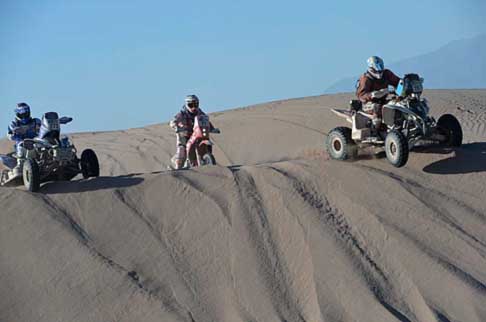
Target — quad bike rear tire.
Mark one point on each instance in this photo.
(208, 159)
(396, 148)
(340, 145)
(31, 175)
(90, 166)
(451, 128)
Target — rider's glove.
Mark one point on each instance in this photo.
(216, 131)
(380, 94)
(176, 126)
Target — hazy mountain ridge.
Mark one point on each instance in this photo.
(460, 64)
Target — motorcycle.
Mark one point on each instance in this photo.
(406, 124)
(199, 143)
(48, 157)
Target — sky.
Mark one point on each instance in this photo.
(122, 64)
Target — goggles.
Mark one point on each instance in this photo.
(192, 105)
(22, 116)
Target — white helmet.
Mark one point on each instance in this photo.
(376, 67)
(191, 103)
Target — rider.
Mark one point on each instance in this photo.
(22, 127)
(372, 88)
(183, 124)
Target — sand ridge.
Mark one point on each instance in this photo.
(277, 232)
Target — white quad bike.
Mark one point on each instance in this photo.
(406, 123)
(48, 157)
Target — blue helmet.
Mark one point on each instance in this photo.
(22, 113)
(376, 66)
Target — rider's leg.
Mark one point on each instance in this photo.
(374, 109)
(179, 158)
(20, 155)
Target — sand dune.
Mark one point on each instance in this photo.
(277, 232)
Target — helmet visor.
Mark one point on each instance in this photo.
(379, 66)
(23, 115)
(192, 105)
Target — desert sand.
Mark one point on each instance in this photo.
(276, 232)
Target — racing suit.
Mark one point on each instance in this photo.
(369, 84)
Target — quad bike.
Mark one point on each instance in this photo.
(406, 123)
(48, 157)
(199, 143)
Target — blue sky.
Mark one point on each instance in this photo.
(121, 64)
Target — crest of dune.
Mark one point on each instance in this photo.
(275, 232)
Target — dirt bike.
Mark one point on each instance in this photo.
(199, 143)
(406, 123)
(48, 157)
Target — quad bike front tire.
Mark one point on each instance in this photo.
(451, 128)
(31, 175)
(208, 159)
(340, 145)
(396, 148)
(90, 167)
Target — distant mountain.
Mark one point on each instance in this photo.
(459, 64)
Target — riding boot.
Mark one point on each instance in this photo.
(177, 162)
(17, 171)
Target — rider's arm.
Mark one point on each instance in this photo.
(393, 79)
(364, 89)
(211, 126)
(38, 124)
(13, 132)
(174, 122)
(179, 124)
(10, 134)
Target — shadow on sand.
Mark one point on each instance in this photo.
(100, 183)
(470, 158)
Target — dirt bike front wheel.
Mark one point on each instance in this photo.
(208, 159)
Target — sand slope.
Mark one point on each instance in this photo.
(276, 233)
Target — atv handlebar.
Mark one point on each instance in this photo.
(65, 120)
(380, 93)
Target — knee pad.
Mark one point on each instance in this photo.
(368, 107)
(21, 152)
(372, 108)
